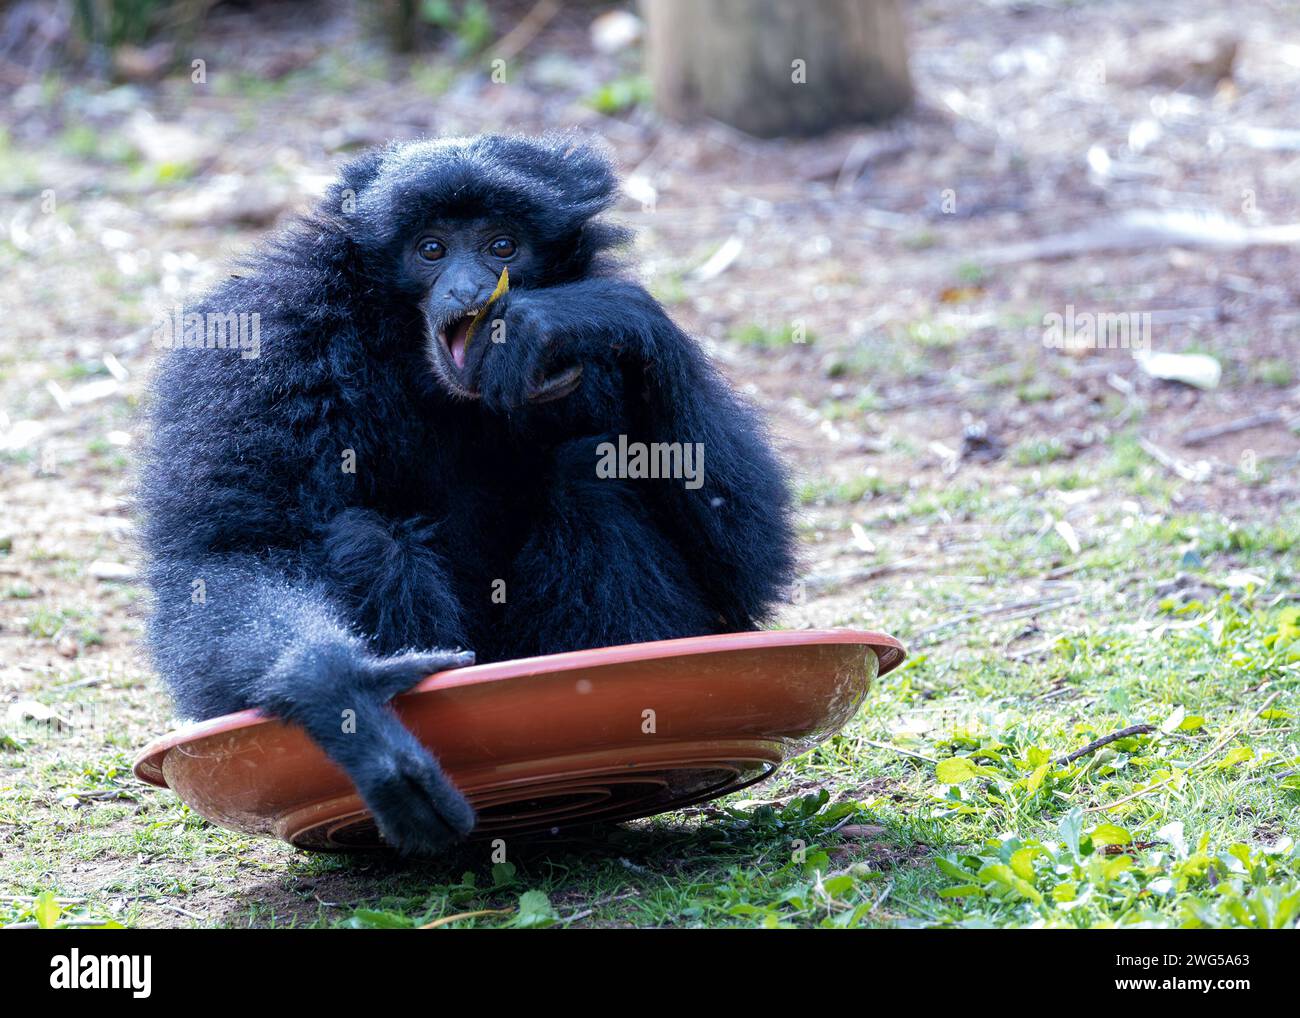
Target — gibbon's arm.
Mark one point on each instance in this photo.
(735, 528)
(242, 494)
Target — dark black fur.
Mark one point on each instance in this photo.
(325, 591)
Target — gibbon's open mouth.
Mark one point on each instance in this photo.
(455, 337)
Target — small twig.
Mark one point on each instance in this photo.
(1014, 610)
(900, 749)
(517, 39)
(465, 915)
(1274, 777)
(872, 148)
(181, 911)
(62, 924)
(1195, 472)
(736, 138)
(944, 392)
(1037, 650)
(1199, 436)
(26, 898)
(61, 687)
(889, 887)
(599, 903)
(1060, 572)
(1105, 740)
(1218, 745)
(819, 583)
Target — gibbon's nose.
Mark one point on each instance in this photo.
(461, 298)
(466, 295)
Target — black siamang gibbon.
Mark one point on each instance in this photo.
(389, 483)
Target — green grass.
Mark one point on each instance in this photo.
(945, 803)
(1038, 452)
(48, 624)
(620, 95)
(765, 338)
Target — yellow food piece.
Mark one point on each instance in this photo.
(503, 285)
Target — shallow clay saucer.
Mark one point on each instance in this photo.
(548, 742)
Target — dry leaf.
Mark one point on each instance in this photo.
(503, 286)
(863, 831)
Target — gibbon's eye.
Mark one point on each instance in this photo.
(503, 247)
(431, 250)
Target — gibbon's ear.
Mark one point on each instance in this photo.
(565, 182)
(342, 196)
(585, 175)
(576, 176)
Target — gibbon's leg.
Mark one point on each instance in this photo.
(395, 579)
(596, 571)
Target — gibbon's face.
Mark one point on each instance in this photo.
(456, 265)
(437, 220)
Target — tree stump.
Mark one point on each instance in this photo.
(774, 67)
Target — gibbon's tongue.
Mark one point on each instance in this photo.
(458, 337)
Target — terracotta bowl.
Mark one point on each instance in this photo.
(547, 742)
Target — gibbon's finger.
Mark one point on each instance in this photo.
(557, 386)
(402, 671)
(416, 807)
